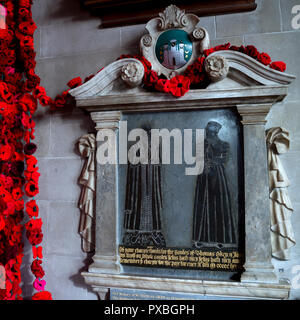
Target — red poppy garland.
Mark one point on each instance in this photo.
(19, 174)
(20, 92)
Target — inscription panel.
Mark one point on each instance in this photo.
(172, 220)
(225, 260)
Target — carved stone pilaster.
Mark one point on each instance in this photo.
(258, 266)
(105, 258)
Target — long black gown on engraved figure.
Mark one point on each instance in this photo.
(143, 205)
(213, 224)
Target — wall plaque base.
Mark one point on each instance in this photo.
(233, 290)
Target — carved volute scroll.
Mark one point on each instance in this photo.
(172, 20)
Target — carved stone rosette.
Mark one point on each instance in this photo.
(173, 18)
(216, 67)
(132, 74)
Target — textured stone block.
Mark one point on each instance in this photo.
(64, 280)
(76, 37)
(63, 229)
(266, 18)
(286, 14)
(59, 178)
(42, 135)
(47, 12)
(71, 128)
(281, 47)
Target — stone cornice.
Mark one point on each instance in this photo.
(194, 99)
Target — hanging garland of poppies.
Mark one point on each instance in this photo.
(20, 92)
(18, 168)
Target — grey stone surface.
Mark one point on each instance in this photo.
(63, 230)
(50, 12)
(65, 133)
(281, 47)
(59, 177)
(42, 135)
(64, 280)
(266, 18)
(75, 36)
(287, 15)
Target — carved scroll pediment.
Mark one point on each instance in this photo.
(174, 41)
(243, 70)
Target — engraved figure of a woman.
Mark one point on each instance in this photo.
(213, 221)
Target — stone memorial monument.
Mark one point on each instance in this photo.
(159, 232)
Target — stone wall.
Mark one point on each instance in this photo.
(69, 43)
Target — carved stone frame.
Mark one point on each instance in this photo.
(173, 18)
(239, 82)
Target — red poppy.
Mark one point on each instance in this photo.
(89, 78)
(6, 152)
(147, 64)
(30, 148)
(207, 52)
(264, 58)
(34, 224)
(162, 85)
(150, 78)
(179, 85)
(32, 209)
(195, 72)
(31, 163)
(25, 3)
(45, 100)
(278, 65)
(27, 27)
(17, 193)
(31, 188)
(19, 204)
(24, 12)
(28, 103)
(27, 42)
(2, 223)
(42, 295)
(34, 236)
(32, 175)
(74, 82)
(37, 269)
(38, 92)
(60, 101)
(4, 93)
(251, 51)
(37, 252)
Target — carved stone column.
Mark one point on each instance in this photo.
(105, 258)
(258, 266)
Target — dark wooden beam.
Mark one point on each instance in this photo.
(126, 12)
